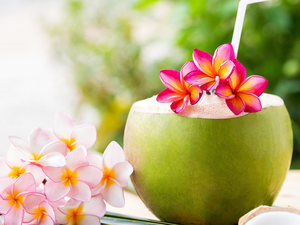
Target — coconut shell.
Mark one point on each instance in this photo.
(264, 209)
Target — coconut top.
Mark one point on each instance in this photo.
(209, 107)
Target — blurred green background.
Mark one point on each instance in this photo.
(117, 48)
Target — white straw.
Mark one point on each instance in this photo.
(239, 23)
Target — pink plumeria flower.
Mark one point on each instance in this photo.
(41, 150)
(13, 167)
(116, 172)
(38, 209)
(212, 69)
(80, 213)
(13, 193)
(73, 180)
(179, 92)
(67, 130)
(242, 94)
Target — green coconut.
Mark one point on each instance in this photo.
(207, 166)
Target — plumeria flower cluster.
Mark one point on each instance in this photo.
(221, 74)
(53, 179)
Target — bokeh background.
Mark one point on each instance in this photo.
(107, 54)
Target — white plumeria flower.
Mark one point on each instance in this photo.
(41, 150)
(74, 180)
(39, 211)
(13, 167)
(81, 213)
(116, 172)
(66, 129)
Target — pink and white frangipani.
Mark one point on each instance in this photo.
(74, 180)
(39, 210)
(116, 171)
(12, 166)
(53, 179)
(42, 150)
(220, 74)
(12, 195)
(81, 213)
(66, 129)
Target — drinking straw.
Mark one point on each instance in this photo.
(239, 23)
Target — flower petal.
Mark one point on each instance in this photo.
(88, 219)
(38, 139)
(25, 182)
(203, 61)
(60, 217)
(222, 54)
(185, 69)
(198, 78)
(4, 206)
(54, 159)
(85, 134)
(252, 102)
(32, 201)
(4, 168)
(238, 75)
(236, 105)
(76, 158)
(211, 85)
(80, 191)
(224, 91)
(47, 220)
(113, 154)
(63, 124)
(95, 206)
(195, 94)
(253, 84)
(29, 218)
(94, 159)
(56, 191)
(5, 183)
(96, 190)
(180, 105)
(122, 172)
(49, 209)
(91, 175)
(171, 79)
(225, 70)
(71, 204)
(21, 145)
(37, 173)
(13, 157)
(14, 216)
(54, 173)
(167, 96)
(56, 146)
(113, 194)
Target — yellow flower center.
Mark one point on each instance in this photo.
(14, 199)
(75, 216)
(35, 156)
(39, 214)
(69, 177)
(108, 175)
(16, 172)
(69, 143)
